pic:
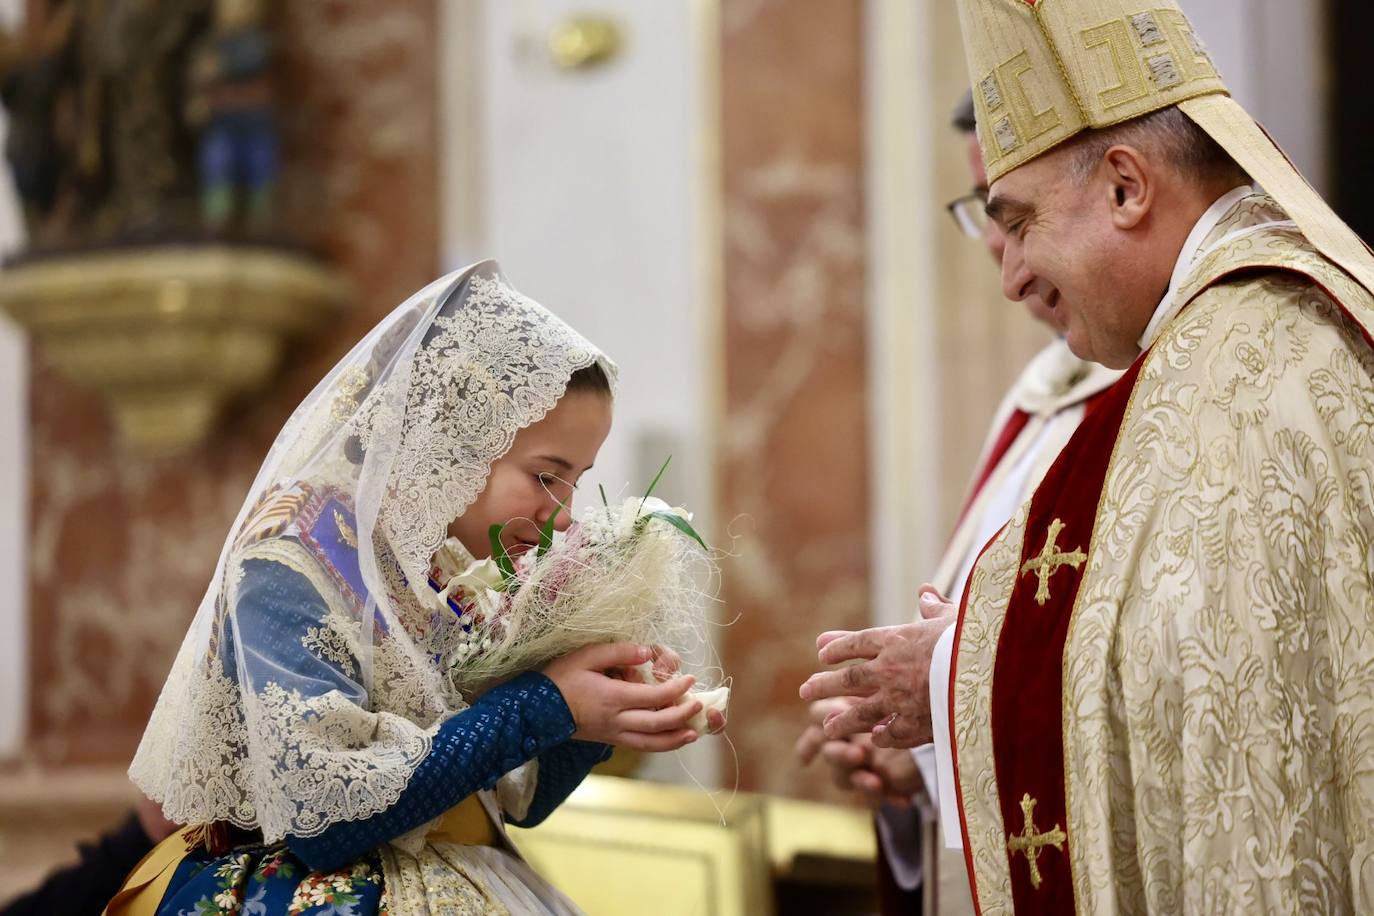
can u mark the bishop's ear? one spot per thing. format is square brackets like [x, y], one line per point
[1131, 181]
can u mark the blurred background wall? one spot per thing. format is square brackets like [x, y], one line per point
[742, 202]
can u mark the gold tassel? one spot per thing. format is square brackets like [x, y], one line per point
[213, 838]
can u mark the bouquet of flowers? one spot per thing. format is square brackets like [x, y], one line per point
[636, 572]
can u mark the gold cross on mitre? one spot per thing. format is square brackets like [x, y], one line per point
[1050, 560]
[1030, 841]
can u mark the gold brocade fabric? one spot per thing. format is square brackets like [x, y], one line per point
[436, 881]
[1219, 669]
[1043, 70]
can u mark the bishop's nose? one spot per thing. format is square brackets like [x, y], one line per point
[1016, 277]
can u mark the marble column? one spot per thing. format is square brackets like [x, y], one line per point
[792, 465]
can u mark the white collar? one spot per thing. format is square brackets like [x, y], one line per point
[1055, 379]
[1187, 255]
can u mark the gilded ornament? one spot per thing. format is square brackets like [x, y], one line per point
[1030, 841]
[1050, 560]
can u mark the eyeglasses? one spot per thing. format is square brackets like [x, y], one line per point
[970, 212]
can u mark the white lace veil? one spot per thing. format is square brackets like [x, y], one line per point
[319, 711]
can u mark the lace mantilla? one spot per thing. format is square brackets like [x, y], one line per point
[484, 373]
[311, 683]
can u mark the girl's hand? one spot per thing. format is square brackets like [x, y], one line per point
[642, 717]
[666, 664]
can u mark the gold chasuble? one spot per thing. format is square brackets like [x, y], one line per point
[1162, 689]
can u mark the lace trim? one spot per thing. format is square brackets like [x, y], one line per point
[494, 367]
[428, 882]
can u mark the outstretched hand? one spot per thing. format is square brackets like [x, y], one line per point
[610, 710]
[876, 776]
[890, 680]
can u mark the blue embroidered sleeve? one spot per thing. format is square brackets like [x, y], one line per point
[515, 722]
[512, 723]
[561, 770]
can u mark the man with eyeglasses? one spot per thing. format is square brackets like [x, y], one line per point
[1035, 420]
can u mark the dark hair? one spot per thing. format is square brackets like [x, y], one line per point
[590, 378]
[963, 119]
[1167, 132]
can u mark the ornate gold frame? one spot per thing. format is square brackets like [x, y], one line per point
[168, 335]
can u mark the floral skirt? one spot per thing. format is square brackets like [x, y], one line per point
[270, 880]
[442, 878]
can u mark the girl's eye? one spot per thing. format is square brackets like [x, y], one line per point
[549, 481]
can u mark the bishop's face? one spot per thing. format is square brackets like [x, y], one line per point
[993, 237]
[1062, 247]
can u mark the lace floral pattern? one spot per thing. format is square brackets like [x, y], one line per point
[310, 685]
[485, 372]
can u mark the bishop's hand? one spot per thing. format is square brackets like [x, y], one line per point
[891, 676]
[877, 776]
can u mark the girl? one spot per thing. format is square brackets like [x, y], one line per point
[309, 732]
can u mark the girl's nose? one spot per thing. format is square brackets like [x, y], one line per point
[550, 506]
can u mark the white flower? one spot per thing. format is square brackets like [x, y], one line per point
[612, 524]
[654, 504]
[481, 574]
[637, 507]
[477, 581]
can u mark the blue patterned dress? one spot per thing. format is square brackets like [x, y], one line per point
[342, 871]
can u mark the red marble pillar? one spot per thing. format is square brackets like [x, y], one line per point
[793, 461]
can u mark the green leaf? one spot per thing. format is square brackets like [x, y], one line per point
[498, 552]
[681, 524]
[657, 477]
[546, 533]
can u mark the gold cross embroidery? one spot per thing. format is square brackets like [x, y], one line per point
[1030, 841]
[1050, 560]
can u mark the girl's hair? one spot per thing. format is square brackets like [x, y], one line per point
[590, 378]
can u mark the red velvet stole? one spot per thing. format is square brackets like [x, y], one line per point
[1027, 687]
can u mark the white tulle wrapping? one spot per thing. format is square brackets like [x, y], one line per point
[621, 574]
[404, 430]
